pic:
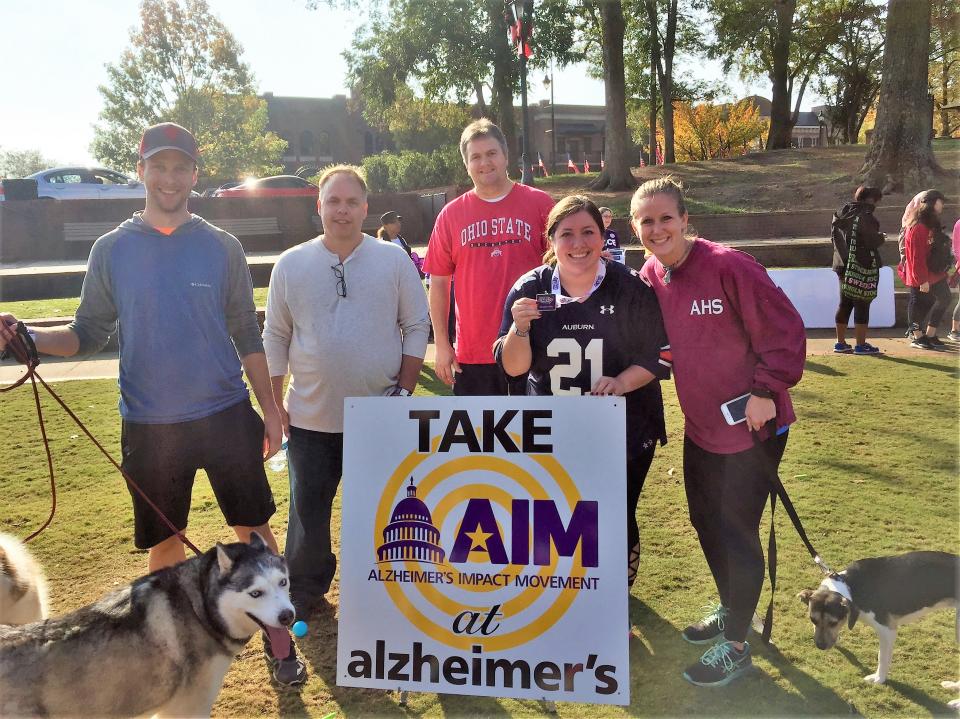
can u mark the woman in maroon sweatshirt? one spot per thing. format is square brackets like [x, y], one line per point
[732, 332]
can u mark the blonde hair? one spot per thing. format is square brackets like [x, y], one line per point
[661, 186]
[352, 170]
[569, 205]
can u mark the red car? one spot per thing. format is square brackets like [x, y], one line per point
[276, 186]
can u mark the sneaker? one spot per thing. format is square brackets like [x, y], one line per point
[289, 671]
[953, 335]
[842, 348]
[936, 342]
[922, 343]
[708, 628]
[719, 665]
[866, 349]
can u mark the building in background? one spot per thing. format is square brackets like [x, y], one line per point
[809, 131]
[321, 131]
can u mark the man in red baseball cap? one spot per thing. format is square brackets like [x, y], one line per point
[179, 292]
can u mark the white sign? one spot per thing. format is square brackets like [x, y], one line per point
[483, 547]
[815, 292]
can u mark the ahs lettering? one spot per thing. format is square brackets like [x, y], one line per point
[707, 307]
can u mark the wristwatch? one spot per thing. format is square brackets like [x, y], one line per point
[399, 391]
[519, 332]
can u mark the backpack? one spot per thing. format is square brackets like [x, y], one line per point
[940, 258]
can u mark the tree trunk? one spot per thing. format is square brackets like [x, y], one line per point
[780, 126]
[665, 72]
[654, 64]
[616, 175]
[502, 91]
[900, 158]
[481, 100]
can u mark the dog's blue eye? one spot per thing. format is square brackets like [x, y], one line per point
[256, 593]
[283, 582]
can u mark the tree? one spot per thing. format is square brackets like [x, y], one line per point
[450, 50]
[782, 39]
[662, 63]
[711, 132]
[419, 124]
[851, 64]
[184, 66]
[900, 157]
[616, 175]
[20, 163]
[945, 63]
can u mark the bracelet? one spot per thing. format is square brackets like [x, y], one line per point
[761, 392]
[520, 333]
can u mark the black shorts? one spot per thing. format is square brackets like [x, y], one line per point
[164, 458]
[487, 380]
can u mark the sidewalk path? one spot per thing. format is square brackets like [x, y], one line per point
[104, 366]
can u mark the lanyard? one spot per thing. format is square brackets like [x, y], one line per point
[564, 300]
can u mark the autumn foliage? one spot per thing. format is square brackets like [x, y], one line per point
[712, 132]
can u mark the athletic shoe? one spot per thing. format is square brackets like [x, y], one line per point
[866, 349]
[289, 671]
[922, 343]
[953, 335]
[719, 665]
[936, 342]
[842, 348]
[708, 628]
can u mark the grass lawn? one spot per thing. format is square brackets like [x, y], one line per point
[871, 467]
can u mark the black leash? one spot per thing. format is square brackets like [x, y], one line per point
[20, 346]
[780, 491]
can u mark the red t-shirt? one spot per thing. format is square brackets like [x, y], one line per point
[487, 247]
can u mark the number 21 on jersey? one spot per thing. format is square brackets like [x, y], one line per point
[592, 353]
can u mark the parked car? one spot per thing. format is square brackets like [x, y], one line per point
[85, 183]
[276, 186]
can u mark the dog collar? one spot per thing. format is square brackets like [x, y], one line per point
[835, 583]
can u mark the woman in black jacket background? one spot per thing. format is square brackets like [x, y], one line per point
[856, 218]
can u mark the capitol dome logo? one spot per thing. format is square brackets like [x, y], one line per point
[410, 534]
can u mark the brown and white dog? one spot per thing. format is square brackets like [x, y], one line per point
[887, 593]
[23, 589]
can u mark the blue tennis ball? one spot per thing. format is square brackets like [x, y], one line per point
[299, 629]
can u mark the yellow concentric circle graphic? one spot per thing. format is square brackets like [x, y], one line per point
[430, 489]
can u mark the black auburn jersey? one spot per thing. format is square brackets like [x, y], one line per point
[619, 325]
[611, 240]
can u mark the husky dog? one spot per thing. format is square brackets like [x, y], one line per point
[161, 645]
[887, 593]
[23, 589]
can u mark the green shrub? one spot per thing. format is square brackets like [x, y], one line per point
[409, 170]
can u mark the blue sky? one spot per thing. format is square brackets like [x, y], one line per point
[54, 52]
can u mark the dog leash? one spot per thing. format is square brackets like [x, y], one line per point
[780, 491]
[21, 346]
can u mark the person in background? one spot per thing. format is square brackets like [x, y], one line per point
[925, 259]
[954, 333]
[733, 334]
[390, 224]
[611, 240]
[855, 224]
[609, 340]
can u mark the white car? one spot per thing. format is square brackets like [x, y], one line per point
[85, 183]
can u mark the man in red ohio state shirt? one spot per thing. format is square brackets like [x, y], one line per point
[485, 240]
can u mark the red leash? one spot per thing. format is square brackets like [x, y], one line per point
[21, 346]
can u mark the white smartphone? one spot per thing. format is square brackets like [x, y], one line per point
[735, 411]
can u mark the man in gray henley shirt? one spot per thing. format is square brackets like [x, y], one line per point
[346, 317]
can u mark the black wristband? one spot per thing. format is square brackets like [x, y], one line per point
[761, 392]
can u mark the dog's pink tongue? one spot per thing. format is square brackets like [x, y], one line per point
[279, 642]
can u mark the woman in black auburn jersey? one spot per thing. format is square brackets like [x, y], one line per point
[604, 336]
